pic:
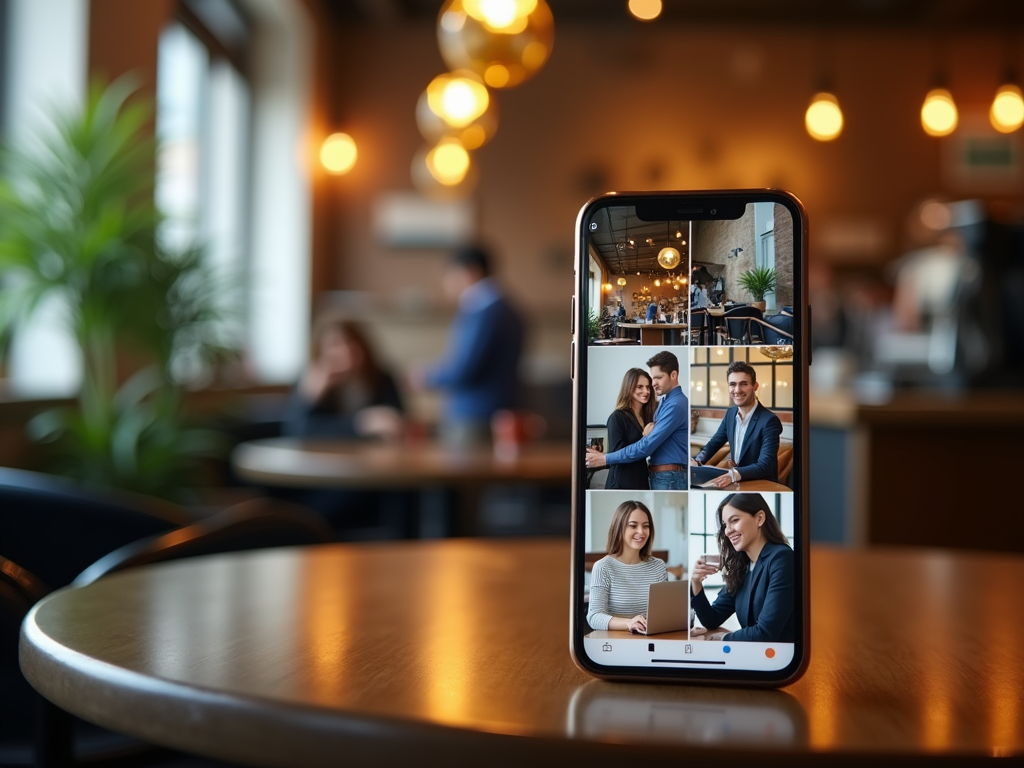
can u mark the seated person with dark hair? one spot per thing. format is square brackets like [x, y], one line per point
[751, 430]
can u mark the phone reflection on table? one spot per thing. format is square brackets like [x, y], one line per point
[740, 719]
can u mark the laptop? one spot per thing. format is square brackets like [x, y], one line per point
[667, 607]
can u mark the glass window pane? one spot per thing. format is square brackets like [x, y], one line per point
[700, 355]
[764, 378]
[183, 73]
[718, 387]
[698, 386]
[784, 385]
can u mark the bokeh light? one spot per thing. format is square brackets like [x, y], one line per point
[824, 118]
[338, 153]
[1007, 111]
[938, 113]
[645, 10]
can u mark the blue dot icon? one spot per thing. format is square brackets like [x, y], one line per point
[726, 649]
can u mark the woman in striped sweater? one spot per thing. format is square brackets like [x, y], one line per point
[618, 585]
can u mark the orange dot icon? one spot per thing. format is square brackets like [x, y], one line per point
[770, 653]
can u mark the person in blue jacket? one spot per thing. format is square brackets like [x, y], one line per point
[480, 367]
[758, 566]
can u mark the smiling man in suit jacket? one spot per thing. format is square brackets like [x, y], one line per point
[751, 430]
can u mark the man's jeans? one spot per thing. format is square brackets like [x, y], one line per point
[673, 480]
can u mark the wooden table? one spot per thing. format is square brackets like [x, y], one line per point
[654, 334]
[765, 486]
[458, 650]
[313, 463]
[422, 465]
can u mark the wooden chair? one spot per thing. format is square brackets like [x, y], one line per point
[785, 462]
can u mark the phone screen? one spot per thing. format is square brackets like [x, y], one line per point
[689, 535]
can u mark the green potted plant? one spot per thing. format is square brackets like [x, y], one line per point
[593, 326]
[78, 223]
[758, 282]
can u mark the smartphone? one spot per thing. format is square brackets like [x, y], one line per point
[730, 265]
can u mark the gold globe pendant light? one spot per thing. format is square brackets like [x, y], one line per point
[506, 42]
[457, 104]
[938, 113]
[669, 257]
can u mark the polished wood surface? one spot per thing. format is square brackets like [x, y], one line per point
[288, 461]
[766, 486]
[458, 649]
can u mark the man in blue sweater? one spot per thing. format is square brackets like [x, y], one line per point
[480, 367]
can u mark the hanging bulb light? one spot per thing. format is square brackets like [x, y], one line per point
[645, 10]
[506, 42]
[938, 113]
[444, 171]
[438, 117]
[338, 153]
[669, 257]
[621, 282]
[1007, 111]
[824, 118]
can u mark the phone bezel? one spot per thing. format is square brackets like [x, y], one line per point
[696, 205]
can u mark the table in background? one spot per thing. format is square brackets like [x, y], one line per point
[658, 334]
[423, 465]
[458, 650]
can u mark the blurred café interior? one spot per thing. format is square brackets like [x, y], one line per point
[297, 148]
[298, 151]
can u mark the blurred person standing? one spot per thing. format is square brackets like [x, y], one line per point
[480, 367]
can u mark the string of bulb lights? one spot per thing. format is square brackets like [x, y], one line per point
[824, 117]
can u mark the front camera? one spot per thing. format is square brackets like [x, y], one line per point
[593, 226]
[713, 211]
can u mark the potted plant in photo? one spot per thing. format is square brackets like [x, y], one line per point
[758, 282]
[79, 229]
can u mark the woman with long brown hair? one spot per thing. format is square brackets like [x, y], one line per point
[634, 410]
[757, 564]
[619, 581]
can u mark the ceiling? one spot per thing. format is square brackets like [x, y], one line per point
[955, 15]
[628, 245]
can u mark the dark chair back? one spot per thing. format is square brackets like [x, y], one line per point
[19, 591]
[738, 326]
[699, 323]
[252, 524]
[55, 528]
[780, 328]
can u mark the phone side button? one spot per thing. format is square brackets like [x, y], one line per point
[808, 345]
[572, 360]
[572, 318]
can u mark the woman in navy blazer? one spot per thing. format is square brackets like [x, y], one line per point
[757, 563]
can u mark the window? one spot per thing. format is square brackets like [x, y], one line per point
[202, 125]
[709, 387]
